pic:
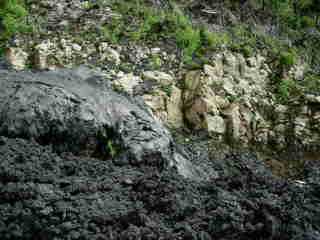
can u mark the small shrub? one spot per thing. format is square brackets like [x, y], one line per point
[155, 62]
[151, 26]
[307, 22]
[287, 59]
[12, 15]
[311, 83]
[111, 149]
[215, 40]
[286, 89]
[167, 89]
[189, 40]
[113, 31]
[244, 40]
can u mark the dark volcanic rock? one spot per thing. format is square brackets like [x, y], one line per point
[48, 196]
[76, 110]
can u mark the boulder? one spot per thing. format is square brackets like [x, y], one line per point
[17, 58]
[41, 54]
[233, 121]
[127, 82]
[161, 78]
[110, 55]
[216, 125]
[174, 108]
[167, 109]
[76, 110]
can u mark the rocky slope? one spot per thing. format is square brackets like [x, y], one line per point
[231, 97]
[138, 144]
[59, 181]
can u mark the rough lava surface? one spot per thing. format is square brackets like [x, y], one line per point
[57, 182]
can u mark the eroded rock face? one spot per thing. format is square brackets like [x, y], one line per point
[236, 89]
[71, 108]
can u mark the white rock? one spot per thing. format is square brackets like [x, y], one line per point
[160, 77]
[312, 98]
[111, 55]
[215, 125]
[76, 47]
[127, 82]
[155, 50]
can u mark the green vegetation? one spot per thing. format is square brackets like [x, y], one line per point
[12, 15]
[286, 89]
[112, 32]
[111, 149]
[167, 89]
[108, 145]
[141, 22]
[287, 59]
[138, 20]
[155, 62]
[311, 83]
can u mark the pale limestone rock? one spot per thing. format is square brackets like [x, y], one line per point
[111, 55]
[166, 108]
[300, 125]
[221, 102]
[281, 109]
[76, 47]
[42, 52]
[252, 62]
[298, 71]
[312, 98]
[174, 108]
[197, 112]
[68, 51]
[242, 64]
[127, 82]
[215, 125]
[192, 80]
[17, 58]
[214, 71]
[234, 121]
[103, 46]
[228, 86]
[263, 132]
[156, 101]
[159, 77]
[155, 50]
[231, 66]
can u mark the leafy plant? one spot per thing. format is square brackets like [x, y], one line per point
[167, 89]
[13, 18]
[311, 83]
[113, 31]
[215, 40]
[155, 61]
[286, 88]
[287, 59]
[111, 149]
